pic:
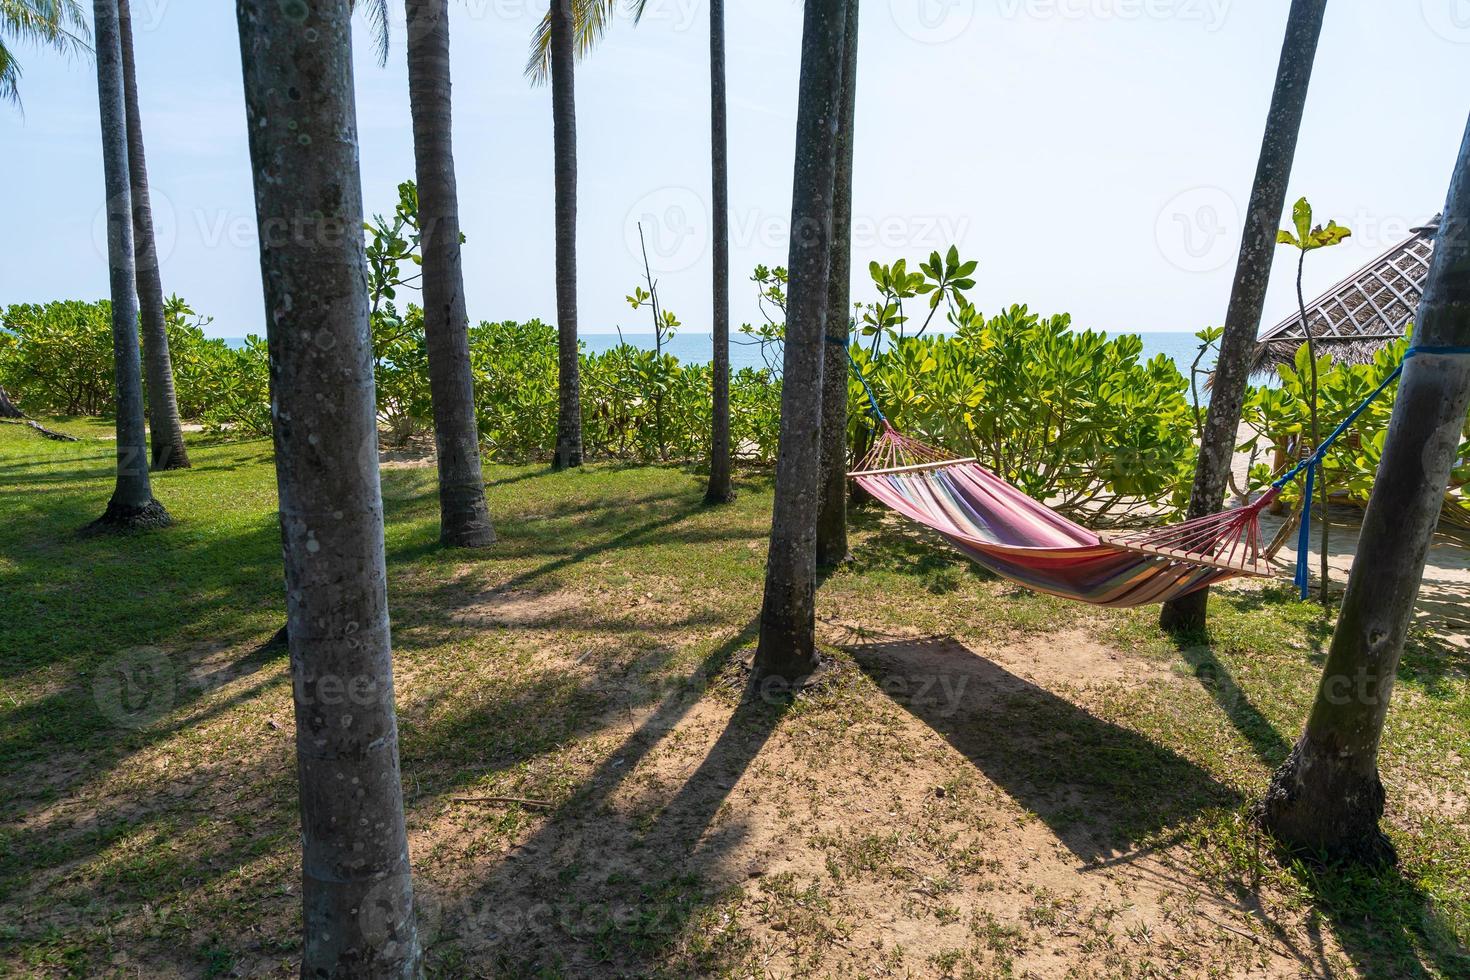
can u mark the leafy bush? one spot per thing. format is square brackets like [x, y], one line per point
[401, 371]
[220, 387]
[239, 389]
[58, 357]
[515, 388]
[1070, 417]
[637, 405]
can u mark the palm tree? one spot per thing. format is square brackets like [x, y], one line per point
[568, 452]
[787, 647]
[719, 490]
[1327, 796]
[166, 429]
[132, 504]
[832, 518]
[1248, 292]
[58, 24]
[590, 20]
[556, 36]
[464, 518]
[356, 888]
[570, 29]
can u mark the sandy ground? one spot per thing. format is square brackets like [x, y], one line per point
[1444, 596]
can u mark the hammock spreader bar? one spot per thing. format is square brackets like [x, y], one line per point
[1021, 539]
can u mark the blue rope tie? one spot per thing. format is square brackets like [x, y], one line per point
[1313, 462]
[872, 399]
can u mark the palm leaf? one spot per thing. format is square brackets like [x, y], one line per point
[375, 12]
[591, 18]
[57, 24]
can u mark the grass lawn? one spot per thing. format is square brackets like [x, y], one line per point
[987, 782]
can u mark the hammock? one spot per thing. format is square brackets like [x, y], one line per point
[1018, 538]
[1023, 540]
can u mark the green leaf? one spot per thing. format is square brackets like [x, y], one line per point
[1301, 217]
[1333, 234]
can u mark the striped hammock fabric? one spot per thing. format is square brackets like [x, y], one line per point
[1022, 540]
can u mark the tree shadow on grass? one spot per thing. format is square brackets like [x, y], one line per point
[1217, 681]
[1100, 788]
[600, 888]
[1385, 921]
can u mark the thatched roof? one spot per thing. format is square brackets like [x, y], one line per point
[1358, 316]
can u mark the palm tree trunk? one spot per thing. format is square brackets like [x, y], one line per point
[1248, 292]
[8, 408]
[132, 504]
[719, 490]
[564, 137]
[464, 519]
[356, 889]
[166, 429]
[787, 646]
[832, 518]
[1327, 795]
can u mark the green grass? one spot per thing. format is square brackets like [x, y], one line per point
[938, 811]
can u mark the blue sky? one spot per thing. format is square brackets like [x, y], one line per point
[1092, 155]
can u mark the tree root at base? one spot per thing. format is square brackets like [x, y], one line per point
[120, 520]
[1317, 810]
[48, 433]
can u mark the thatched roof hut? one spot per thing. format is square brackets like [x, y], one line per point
[1358, 316]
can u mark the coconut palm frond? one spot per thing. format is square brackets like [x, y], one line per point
[538, 65]
[9, 75]
[592, 20]
[375, 12]
[57, 24]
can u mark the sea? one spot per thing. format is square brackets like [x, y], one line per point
[694, 347]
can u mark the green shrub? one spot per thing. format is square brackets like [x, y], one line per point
[238, 382]
[59, 357]
[636, 405]
[515, 388]
[401, 373]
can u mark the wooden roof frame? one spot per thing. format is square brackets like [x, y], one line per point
[1374, 303]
